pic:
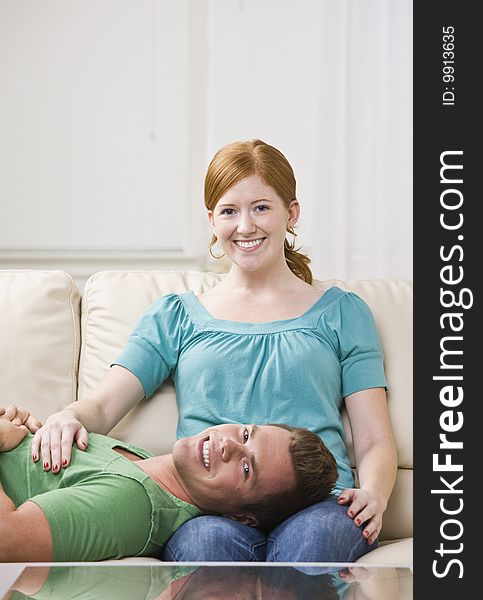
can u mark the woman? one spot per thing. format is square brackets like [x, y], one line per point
[263, 345]
[118, 500]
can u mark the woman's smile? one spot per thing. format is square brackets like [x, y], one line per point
[249, 245]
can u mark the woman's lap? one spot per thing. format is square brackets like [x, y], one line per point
[321, 533]
[212, 538]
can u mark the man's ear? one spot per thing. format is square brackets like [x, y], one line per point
[244, 519]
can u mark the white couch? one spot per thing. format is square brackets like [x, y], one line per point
[55, 346]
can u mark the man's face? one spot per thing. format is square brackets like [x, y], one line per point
[230, 465]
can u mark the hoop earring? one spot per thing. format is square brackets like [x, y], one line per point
[293, 233]
[213, 241]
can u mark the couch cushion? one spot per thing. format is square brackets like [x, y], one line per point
[397, 553]
[39, 340]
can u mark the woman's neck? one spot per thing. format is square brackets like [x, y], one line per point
[270, 279]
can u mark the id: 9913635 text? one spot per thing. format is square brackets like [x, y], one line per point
[448, 66]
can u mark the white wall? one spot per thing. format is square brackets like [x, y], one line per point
[110, 111]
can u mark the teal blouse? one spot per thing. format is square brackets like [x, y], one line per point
[295, 371]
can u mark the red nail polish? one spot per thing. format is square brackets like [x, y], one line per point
[64, 463]
[35, 457]
[46, 465]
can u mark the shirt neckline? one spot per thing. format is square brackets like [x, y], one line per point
[202, 314]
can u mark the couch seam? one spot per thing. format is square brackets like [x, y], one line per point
[83, 332]
[77, 339]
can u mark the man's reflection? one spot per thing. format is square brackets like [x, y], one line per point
[256, 583]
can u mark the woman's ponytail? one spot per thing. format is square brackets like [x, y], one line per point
[297, 262]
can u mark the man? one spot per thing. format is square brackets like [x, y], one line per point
[104, 506]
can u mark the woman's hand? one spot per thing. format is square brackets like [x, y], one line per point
[53, 442]
[364, 507]
[11, 434]
[19, 416]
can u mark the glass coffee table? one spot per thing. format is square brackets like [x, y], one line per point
[203, 581]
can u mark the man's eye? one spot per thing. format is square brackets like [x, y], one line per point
[246, 470]
[246, 435]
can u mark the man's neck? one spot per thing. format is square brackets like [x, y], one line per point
[161, 469]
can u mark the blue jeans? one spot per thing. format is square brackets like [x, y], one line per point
[321, 533]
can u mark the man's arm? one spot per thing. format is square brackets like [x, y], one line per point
[20, 416]
[24, 532]
[11, 434]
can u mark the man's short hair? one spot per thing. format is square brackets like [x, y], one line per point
[315, 472]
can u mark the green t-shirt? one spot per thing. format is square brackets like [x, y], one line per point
[106, 582]
[102, 506]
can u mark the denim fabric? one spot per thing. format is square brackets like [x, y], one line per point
[210, 538]
[321, 533]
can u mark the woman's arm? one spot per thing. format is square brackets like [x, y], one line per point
[117, 393]
[376, 459]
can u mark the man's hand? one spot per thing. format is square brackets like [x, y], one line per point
[19, 416]
[11, 434]
[364, 508]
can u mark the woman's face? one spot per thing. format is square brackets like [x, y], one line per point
[250, 222]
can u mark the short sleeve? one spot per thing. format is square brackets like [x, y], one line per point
[358, 344]
[152, 350]
[105, 517]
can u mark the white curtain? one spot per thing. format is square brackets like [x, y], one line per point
[329, 82]
[362, 225]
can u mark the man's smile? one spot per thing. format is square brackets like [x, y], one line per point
[206, 453]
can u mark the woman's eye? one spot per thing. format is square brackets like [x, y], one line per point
[227, 211]
[246, 470]
[262, 208]
[246, 435]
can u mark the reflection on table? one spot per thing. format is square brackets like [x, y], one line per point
[191, 582]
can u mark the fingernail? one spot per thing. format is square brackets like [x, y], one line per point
[55, 468]
[357, 521]
[46, 465]
[35, 457]
[64, 463]
[351, 513]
